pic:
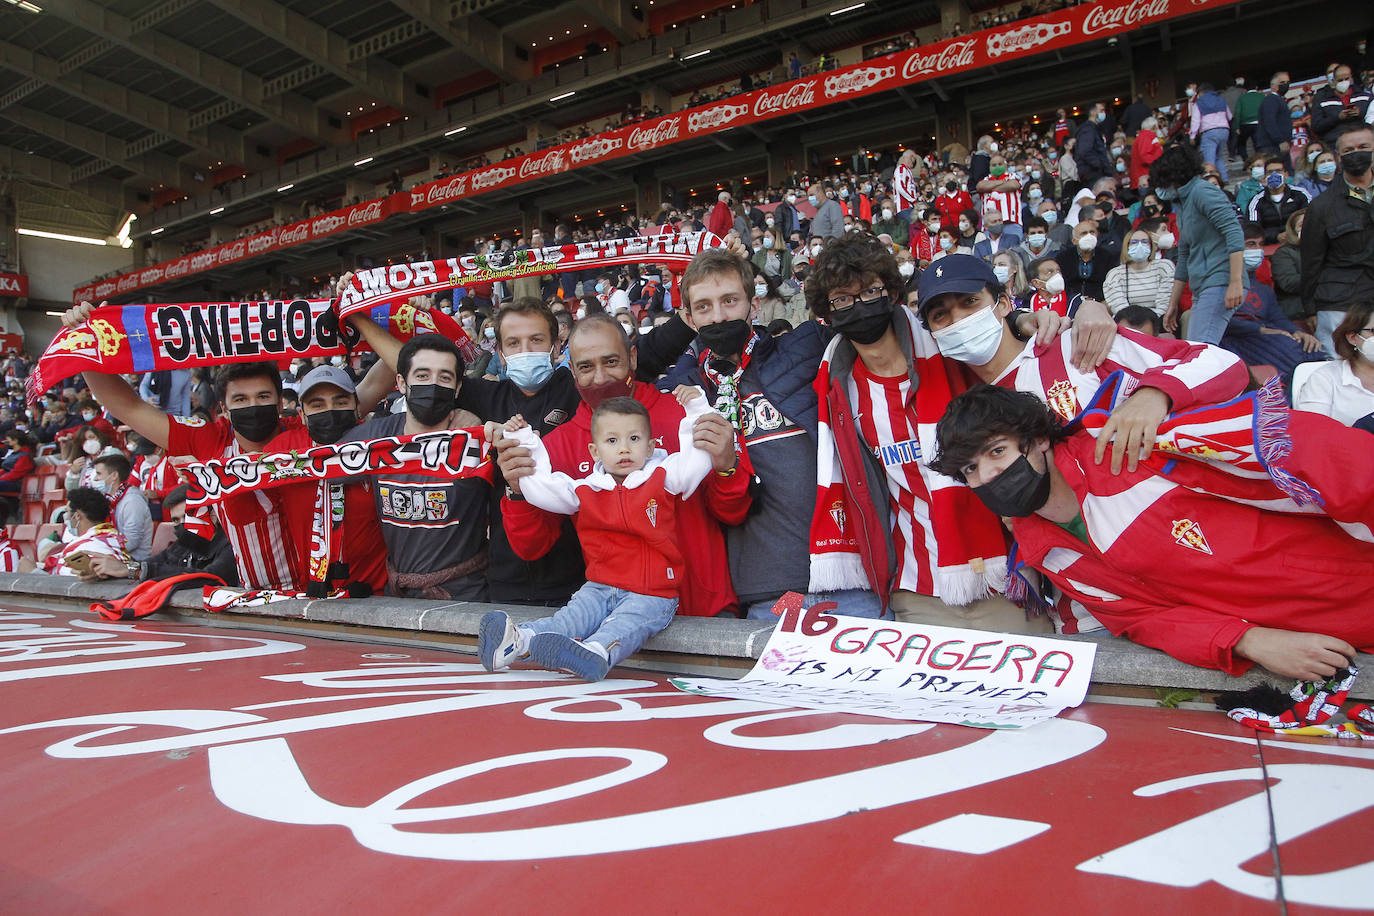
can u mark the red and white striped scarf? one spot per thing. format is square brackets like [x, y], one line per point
[970, 549]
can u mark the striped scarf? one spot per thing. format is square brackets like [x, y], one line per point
[969, 557]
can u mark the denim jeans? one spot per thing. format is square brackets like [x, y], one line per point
[1209, 317]
[618, 620]
[1212, 144]
[853, 602]
[1327, 322]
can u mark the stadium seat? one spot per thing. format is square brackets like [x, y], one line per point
[52, 501]
[1261, 373]
[164, 535]
[47, 529]
[1301, 374]
[25, 539]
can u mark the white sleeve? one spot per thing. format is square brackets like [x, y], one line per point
[550, 491]
[1318, 394]
[687, 467]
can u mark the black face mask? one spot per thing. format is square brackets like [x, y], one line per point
[192, 542]
[328, 426]
[1018, 491]
[256, 423]
[863, 322]
[1282, 88]
[951, 187]
[430, 404]
[726, 338]
[1356, 162]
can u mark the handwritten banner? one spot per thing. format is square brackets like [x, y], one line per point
[448, 454]
[819, 660]
[118, 339]
[377, 285]
[1038, 35]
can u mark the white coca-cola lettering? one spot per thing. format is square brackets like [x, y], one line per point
[265, 242]
[649, 137]
[1108, 19]
[547, 164]
[203, 260]
[1026, 37]
[593, 149]
[125, 283]
[9, 285]
[492, 177]
[954, 56]
[365, 213]
[798, 95]
[293, 235]
[715, 117]
[857, 80]
[444, 191]
[179, 267]
[231, 252]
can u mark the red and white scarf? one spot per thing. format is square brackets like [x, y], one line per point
[970, 549]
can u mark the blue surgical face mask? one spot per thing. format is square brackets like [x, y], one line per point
[600, 286]
[1273, 181]
[1166, 194]
[1049, 216]
[1253, 258]
[529, 370]
[1326, 169]
[815, 202]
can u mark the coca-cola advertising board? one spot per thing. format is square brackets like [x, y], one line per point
[14, 285]
[999, 45]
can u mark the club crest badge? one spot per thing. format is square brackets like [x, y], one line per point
[651, 510]
[1188, 533]
[837, 513]
[1063, 399]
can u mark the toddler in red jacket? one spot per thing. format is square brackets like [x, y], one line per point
[624, 514]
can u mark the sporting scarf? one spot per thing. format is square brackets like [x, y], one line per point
[969, 560]
[449, 454]
[1307, 709]
[326, 545]
[119, 339]
[118, 494]
[377, 285]
[727, 386]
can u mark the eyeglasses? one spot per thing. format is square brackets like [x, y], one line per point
[1365, 332]
[841, 302]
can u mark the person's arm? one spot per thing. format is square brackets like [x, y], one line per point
[135, 525]
[661, 347]
[387, 348]
[1312, 245]
[530, 530]
[115, 395]
[1164, 287]
[1189, 373]
[545, 488]
[375, 386]
[686, 468]
[23, 464]
[1326, 114]
[1317, 394]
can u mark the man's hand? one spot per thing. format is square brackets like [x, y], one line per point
[1093, 334]
[514, 461]
[1235, 295]
[1171, 318]
[1133, 426]
[713, 434]
[1305, 656]
[1309, 343]
[79, 314]
[1044, 325]
[107, 567]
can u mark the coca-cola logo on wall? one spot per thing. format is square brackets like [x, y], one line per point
[1026, 37]
[547, 164]
[1102, 18]
[952, 56]
[593, 149]
[648, 137]
[795, 97]
[857, 80]
[294, 235]
[712, 118]
[365, 213]
[490, 178]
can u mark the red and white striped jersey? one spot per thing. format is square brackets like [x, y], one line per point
[1008, 203]
[252, 522]
[156, 476]
[904, 187]
[885, 412]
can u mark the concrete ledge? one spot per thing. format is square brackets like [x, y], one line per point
[1119, 662]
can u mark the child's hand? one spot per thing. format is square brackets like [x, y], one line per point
[515, 422]
[685, 393]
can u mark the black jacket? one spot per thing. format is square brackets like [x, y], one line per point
[217, 559]
[1327, 105]
[1337, 250]
[1090, 287]
[1090, 154]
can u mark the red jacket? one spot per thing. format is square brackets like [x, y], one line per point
[707, 589]
[627, 536]
[951, 207]
[720, 220]
[1189, 573]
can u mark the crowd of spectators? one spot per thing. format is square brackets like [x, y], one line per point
[1114, 220]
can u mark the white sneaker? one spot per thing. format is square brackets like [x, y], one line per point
[498, 641]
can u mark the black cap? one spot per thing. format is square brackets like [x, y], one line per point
[954, 273]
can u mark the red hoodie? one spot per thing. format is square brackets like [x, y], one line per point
[706, 588]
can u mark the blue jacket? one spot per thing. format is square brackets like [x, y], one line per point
[1208, 232]
[1275, 123]
[786, 368]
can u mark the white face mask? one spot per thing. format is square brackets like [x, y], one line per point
[1253, 258]
[1166, 240]
[1257, 173]
[1002, 272]
[760, 289]
[1367, 349]
[1342, 86]
[1055, 285]
[973, 339]
[1138, 251]
[1087, 242]
[906, 269]
[91, 447]
[768, 222]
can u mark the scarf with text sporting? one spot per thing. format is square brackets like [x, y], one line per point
[376, 285]
[448, 454]
[966, 559]
[120, 339]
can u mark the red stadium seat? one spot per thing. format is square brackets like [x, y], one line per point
[164, 535]
[48, 529]
[52, 501]
[25, 538]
